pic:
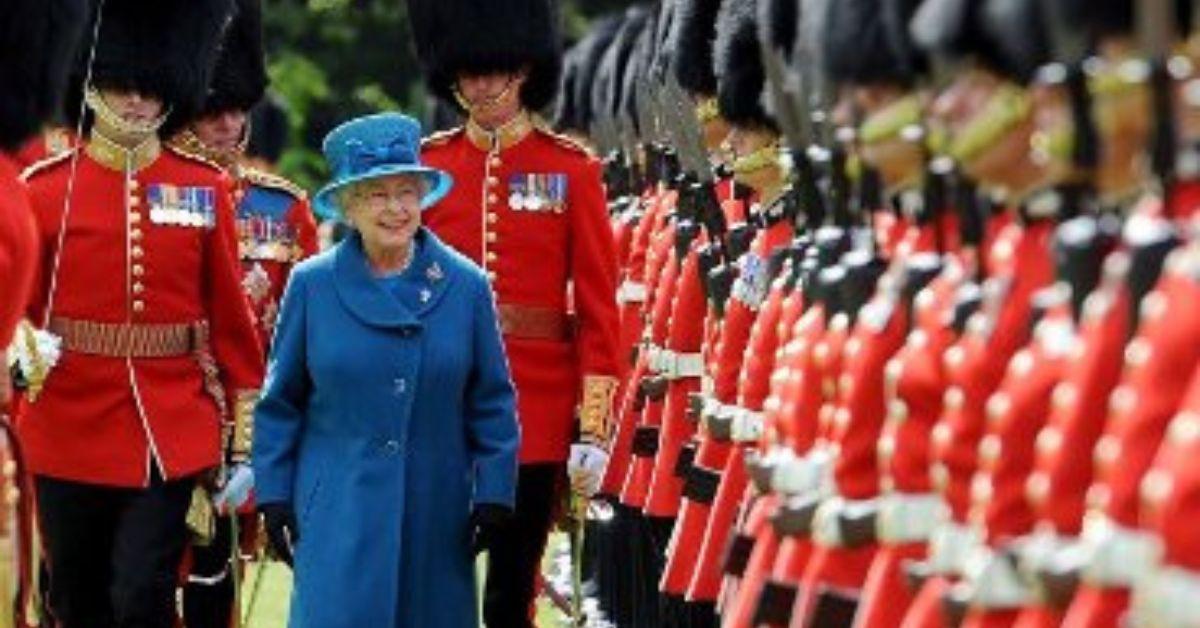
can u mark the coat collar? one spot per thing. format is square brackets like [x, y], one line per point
[370, 301]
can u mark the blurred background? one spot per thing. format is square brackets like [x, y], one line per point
[331, 60]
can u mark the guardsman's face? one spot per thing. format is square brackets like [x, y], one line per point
[890, 134]
[988, 123]
[133, 107]
[386, 211]
[493, 98]
[222, 131]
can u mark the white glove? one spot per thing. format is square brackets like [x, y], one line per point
[585, 467]
[236, 491]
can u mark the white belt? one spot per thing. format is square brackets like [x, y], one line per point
[908, 517]
[1168, 598]
[747, 426]
[631, 292]
[676, 365]
[1116, 556]
[796, 475]
[994, 580]
[827, 524]
[948, 546]
[654, 358]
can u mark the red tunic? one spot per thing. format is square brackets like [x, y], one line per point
[105, 420]
[560, 259]
[18, 249]
[1159, 363]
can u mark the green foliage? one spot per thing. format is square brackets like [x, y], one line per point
[332, 60]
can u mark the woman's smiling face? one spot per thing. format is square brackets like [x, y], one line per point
[385, 211]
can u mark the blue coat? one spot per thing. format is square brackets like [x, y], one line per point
[383, 424]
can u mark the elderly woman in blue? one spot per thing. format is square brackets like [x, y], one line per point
[385, 445]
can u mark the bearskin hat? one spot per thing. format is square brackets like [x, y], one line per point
[695, 29]
[457, 37]
[240, 76]
[861, 48]
[579, 70]
[737, 63]
[165, 48]
[607, 93]
[38, 39]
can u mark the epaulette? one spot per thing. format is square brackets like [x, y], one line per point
[193, 157]
[566, 141]
[274, 181]
[437, 138]
[46, 164]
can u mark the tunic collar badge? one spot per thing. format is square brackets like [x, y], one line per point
[434, 272]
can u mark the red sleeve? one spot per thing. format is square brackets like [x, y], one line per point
[593, 274]
[18, 252]
[233, 338]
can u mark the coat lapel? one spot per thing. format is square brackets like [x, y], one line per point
[363, 295]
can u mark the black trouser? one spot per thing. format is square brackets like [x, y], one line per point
[208, 595]
[113, 553]
[514, 563]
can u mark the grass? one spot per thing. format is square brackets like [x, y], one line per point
[274, 592]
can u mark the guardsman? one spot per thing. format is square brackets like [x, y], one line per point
[1065, 461]
[740, 376]
[889, 140]
[158, 358]
[29, 100]
[1167, 595]
[692, 68]
[529, 207]
[275, 230]
[991, 148]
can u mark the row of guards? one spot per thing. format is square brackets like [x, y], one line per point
[909, 294]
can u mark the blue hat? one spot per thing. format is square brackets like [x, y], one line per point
[376, 146]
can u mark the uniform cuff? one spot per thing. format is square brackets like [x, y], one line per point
[242, 427]
[596, 407]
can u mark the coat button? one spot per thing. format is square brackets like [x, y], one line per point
[392, 447]
[399, 386]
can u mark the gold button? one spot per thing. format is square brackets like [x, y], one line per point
[492, 217]
[1184, 429]
[491, 275]
[133, 201]
[138, 288]
[135, 217]
[1106, 452]
[1048, 441]
[137, 252]
[495, 161]
[1037, 488]
[135, 234]
[133, 184]
[491, 256]
[492, 199]
[492, 181]
[940, 476]
[138, 270]
[997, 407]
[954, 399]
[138, 306]
[955, 356]
[989, 450]
[491, 236]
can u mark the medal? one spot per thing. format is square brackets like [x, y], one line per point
[535, 200]
[516, 198]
